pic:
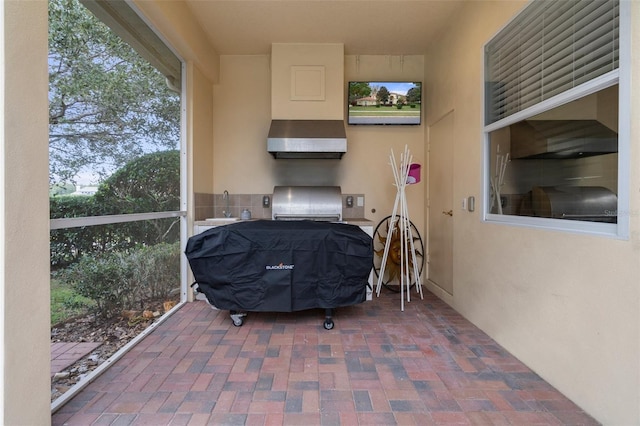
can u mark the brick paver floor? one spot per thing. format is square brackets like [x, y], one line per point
[64, 354]
[377, 366]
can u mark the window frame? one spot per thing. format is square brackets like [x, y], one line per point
[620, 76]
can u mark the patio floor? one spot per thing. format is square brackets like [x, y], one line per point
[64, 354]
[377, 366]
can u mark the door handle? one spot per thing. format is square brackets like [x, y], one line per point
[449, 213]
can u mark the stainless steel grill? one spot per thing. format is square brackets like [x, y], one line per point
[318, 203]
[591, 203]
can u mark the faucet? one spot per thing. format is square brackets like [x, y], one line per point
[225, 196]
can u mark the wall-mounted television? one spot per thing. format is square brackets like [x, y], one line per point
[384, 103]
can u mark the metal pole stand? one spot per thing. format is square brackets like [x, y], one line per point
[407, 248]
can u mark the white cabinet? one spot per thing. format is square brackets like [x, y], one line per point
[202, 225]
[369, 230]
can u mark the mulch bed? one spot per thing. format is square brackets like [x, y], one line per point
[112, 333]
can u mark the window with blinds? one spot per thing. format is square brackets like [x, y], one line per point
[550, 47]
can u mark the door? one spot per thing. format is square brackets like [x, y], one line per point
[440, 203]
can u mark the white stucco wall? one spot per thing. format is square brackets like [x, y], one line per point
[200, 129]
[307, 81]
[199, 144]
[241, 120]
[24, 224]
[174, 23]
[567, 305]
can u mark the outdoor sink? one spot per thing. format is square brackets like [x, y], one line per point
[222, 220]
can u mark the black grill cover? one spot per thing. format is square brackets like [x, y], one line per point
[281, 266]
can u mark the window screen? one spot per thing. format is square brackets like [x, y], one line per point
[552, 46]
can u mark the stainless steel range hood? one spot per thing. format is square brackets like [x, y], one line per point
[561, 139]
[325, 139]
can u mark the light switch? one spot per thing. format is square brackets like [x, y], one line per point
[360, 201]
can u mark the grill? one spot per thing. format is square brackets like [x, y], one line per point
[317, 203]
[302, 259]
[588, 203]
[281, 266]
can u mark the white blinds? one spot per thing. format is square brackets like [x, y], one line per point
[550, 47]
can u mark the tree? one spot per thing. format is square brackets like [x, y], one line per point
[107, 105]
[357, 91]
[383, 95]
[414, 96]
[61, 189]
[150, 183]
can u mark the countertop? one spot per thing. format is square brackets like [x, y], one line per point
[359, 221]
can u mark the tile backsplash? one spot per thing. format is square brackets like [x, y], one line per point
[203, 205]
[214, 205]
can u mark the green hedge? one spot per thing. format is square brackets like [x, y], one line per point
[120, 266]
[124, 280]
[150, 183]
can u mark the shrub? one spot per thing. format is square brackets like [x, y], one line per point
[156, 270]
[147, 184]
[101, 279]
[68, 245]
[126, 279]
[150, 183]
[399, 105]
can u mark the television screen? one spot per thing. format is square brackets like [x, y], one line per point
[384, 102]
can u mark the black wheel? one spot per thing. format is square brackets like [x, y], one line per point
[328, 324]
[237, 318]
[393, 268]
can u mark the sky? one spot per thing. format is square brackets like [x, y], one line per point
[394, 87]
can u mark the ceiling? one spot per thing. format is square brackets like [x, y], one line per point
[365, 27]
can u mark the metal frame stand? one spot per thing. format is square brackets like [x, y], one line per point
[407, 248]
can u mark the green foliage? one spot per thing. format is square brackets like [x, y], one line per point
[68, 245]
[116, 281]
[414, 95]
[383, 95]
[66, 303]
[106, 103]
[155, 270]
[357, 91]
[150, 183]
[399, 105]
[101, 280]
[107, 106]
[61, 189]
